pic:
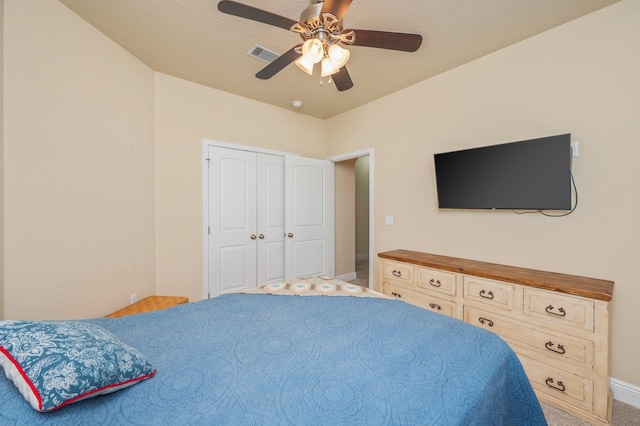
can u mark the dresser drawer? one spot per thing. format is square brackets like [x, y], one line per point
[558, 309]
[422, 300]
[488, 292]
[554, 349]
[439, 281]
[558, 384]
[397, 271]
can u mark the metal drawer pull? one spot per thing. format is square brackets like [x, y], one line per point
[488, 321]
[435, 283]
[559, 386]
[486, 295]
[550, 310]
[434, 306]
[393, 293]
[396, 273]
[560, 350]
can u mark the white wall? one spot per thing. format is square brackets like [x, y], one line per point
[582, 78]
[78, 167]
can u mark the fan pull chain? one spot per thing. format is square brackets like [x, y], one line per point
[329, 80]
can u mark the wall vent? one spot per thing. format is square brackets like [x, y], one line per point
[262, 53]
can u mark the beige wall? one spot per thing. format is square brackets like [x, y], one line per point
[1, 160]
[87, 197]
[362, 206]
[345, 217]
[185, 114]
[581, 78]
[78, 150]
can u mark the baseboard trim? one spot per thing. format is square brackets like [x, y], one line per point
[347, 277]
[625, 392]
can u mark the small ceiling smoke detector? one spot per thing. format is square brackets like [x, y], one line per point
[296, 104]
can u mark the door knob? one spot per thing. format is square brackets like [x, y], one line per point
[261, 236]
[253, 236]
[290, 235]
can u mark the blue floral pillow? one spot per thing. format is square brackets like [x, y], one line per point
[55, 363]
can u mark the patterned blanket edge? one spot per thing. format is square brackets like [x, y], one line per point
[316, 286]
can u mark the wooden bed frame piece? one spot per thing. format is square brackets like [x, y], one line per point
[149, 304]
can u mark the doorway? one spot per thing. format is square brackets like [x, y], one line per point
[354, 217]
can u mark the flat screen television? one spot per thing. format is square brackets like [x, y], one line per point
[533, 174]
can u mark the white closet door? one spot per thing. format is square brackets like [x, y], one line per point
[232, 220]
[270, 218]
[308, 217]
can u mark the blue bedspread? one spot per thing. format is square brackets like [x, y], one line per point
[252, 359]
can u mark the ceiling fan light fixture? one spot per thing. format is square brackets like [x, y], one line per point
[335, 59]
[313, 50]
[327, 67]
[305, 65]
[338, 55]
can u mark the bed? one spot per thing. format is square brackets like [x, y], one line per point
[283, 355]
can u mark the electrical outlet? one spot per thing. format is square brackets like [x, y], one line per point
[134, 297]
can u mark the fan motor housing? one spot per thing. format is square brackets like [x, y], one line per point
[314, 24]
[311, 13]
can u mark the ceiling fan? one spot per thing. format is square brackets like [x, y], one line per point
[320, 28]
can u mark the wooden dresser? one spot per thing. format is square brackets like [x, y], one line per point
[557, 324]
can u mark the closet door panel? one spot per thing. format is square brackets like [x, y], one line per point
[233, 276]
[270, 218]
[232, 219]
[308, 217]
[308, 258]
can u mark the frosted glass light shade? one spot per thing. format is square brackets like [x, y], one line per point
[327, 68]
[332, 58]
[313, 50]
[305, 65]
[339, 56]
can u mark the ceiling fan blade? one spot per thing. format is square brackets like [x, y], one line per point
[255, 14]
[387, 40]
[278, 64]
[342, 79]
[336, 7]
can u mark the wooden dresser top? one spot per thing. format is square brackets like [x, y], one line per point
[569, 284]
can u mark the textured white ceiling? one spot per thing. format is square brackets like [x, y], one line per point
[192, 40]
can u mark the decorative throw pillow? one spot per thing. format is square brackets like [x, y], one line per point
[55, 363]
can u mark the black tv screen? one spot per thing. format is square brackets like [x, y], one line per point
[527, 175]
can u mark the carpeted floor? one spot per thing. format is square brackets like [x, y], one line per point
[623, 415]
[362, 273]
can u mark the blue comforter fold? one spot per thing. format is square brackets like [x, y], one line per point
[253, 359]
